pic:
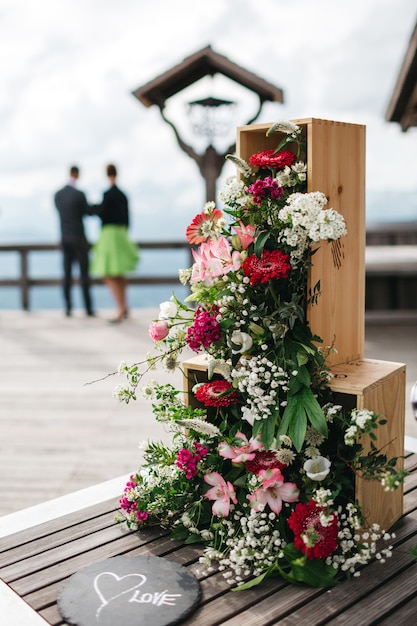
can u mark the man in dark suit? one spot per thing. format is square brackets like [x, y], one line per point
[72, 207]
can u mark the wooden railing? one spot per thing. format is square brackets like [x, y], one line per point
[24, 281]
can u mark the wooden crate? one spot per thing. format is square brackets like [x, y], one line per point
[336, 166]
[380, 387]
[363, 384]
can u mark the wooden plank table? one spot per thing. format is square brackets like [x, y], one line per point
[36, 562]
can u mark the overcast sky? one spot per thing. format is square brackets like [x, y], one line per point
[68, 68]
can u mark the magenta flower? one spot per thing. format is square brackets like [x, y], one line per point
[214, 258]
[204, 331]
[221, 492]
[240, 454]
[265, 187]
[158, 330]
[273, 491]
[187, 462]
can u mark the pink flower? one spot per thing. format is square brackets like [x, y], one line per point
[245, 234]
[240, 454]
[222, 492]
[214, 258]
[273, 491]
[196, 232]
[158, 330]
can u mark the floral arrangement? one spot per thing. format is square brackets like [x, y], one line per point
[262, 465]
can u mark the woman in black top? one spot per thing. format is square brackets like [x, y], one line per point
[114, 254]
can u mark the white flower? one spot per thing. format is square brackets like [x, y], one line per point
[318, 468]
[122, 368]
[242, 342]
[167, 310]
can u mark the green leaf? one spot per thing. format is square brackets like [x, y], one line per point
[297, 430]
[314, 411]
[268, 430]
[260, 242]
[251, 583]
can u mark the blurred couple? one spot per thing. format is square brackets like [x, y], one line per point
[113, 255]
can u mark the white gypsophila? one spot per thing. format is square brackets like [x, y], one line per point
[329, 226]
[253, 550]
[167, 310]
[234, 192]
[200, 426]
[253, 378]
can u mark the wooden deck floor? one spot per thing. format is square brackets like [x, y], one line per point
[59, 435]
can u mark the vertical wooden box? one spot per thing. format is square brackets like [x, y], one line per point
[380, 387]
[363, 384]
[336, 166]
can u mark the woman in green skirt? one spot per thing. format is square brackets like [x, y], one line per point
[114, 254]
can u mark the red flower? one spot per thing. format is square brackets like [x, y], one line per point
[217, 393]
[272, 265]
[266, 159]
[264, 459]
[311, 536]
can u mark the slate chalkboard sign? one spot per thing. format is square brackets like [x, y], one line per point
[129, 590]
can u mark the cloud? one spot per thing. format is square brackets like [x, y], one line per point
[71, 67]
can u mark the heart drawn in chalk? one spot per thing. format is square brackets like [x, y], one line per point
[110, 586]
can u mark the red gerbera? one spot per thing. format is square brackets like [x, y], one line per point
[200, 227]
[217, 393]
[311, 536]
[267, 159]
[264, 459]
[272, 265]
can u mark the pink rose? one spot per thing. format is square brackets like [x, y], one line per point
[158, 330]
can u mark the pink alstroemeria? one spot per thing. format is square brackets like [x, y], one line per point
[245, 234]
[214, 258]
[273, 491]
[221, 492]
[240, 454]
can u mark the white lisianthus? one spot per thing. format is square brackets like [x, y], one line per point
[241, 341]
[167, 310]
[317, 468]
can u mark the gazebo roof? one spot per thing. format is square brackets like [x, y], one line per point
[206, 62]
[403, 104]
